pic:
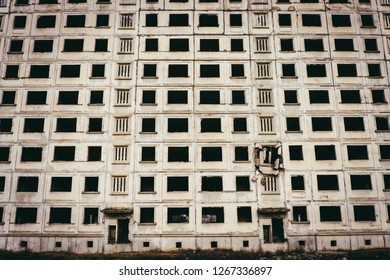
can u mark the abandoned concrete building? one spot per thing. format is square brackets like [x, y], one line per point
[135, 125]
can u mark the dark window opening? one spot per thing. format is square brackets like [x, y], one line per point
[147, 184]
[350, 96]
[91, 216]
[209, 71]
[315, 70]
[150, 70]
[39, 71]
[98, 70]
[290, 97]
[36, 97]
[73, 45]
[4, 154]
[378, 96]
[60, 215]
[341, 20]
[75, 21]
[102, 20]
[288, 70]
[46, 21]
[178, 215]
[364, 213]
[238, 97]
[178, 154]
[209, 97]
[242, 183]
[346, 70]
[344, 45]
[146, 215]
[96, 97]
[101, 45]
[325, 152]
[296, 152]
[20, 22]
[5, 125]
[210, 125]
[89, 244]
[214, 244]
[236, 45]
[384, 151]
[327, 182]
[330, 214]
[277, 231]
[26, 215]
[148, 125]
[367, 20]
[64, 153]
[354, 124]
[70, 71]
[33, 154]
[209, 45]
[11, 72]
[16, 46]
[178, 20]
[239, 125]
[178, 70]
[238, 70]
[212, 154]
[91, 184]
[235, 20]
[208, 20]
[2, 187]
[177, 125]
[151, 20]
[8, 97]
[148, 154]
[27, 184]
[286, 45]
[33, 125]
[374, 70]
[70, 97]
[357, 152]
[321, 124]
[293, 124]
[94, 153]
[212, 184]
[244, 214]
[212, 215]
[177, 184]
[149, 97]
[43, 46]
[61, 184]
[151, 45]
[284, 20]
[382, 123]
[361, 182]
[299, 214]
[371, 45]
[314, 45]
[297, 183]
[311, 20]
[241, 154]
[177, 97]
[123, 231]
[66, 125]
[179, 45]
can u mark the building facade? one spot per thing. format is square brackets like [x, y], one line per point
[137, 125]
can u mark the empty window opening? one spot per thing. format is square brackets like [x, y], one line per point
[148, 125]
[314, 45]
[209, 97]
[102, 20]
[238, 97]
[333, 243]
[64, 153]
[325, 152]
[378, 96]
[95, 125]
[311, 20]
[73, 45]
[39, 71]
[101, 45]
[241, 154]
[242, 183]
[177, 125]
[148, 154]
[147, 184]
[315, 70]
[210, 125]
[297, 183]
[236, 45]
[66, 125]
[238, 70]
[292, 124]
[209, 71]
[208, 20]
[245, 243]
[361, 182]
[58, 244]
[150, 70]
[147, 215]
[177, 97]
[327, 183]
[178, 45]
[178, 20]
[5, 125]
[212, 184]
[70, 71]
[178, 70]
[177, 184]
[146, 244]
[4, 154]
[382, 123]
[178, 245]
[8, 97]
[288, 70]
[94, 153]
[23, 244]
[91, 216]
[357, 152]
[60, 215]
[277, 231]
[43, 46]
[46, 21]
[302, 243]
[321, 124]
[211, 153]
[346, 70]
[178, 154]
[96, 97]
[244, 214]
[68, 97]
[212, 215]
[299, 214]
[354, 124]
[344, 45]
[11, 72]
[27, 184]
[284, 20]
[367, 242]
[290, 97]
[61, 184]
[32, 154]
[235, 20]
[295, 152]
[364, 213]
[367, 21]
[286, 45]
[239, 125]
[91, 184]
[26, 215]
[214, 244]
[209, 45]
[75, 21]
[20, 22]
[15, 46]
[151, 20]
[149, 97]
[89, 244]
[350, 96]
[178, 215]
[98, 70]
[2, 187]
[371, 45]
[374, 70]
[341, 20]
[330, 214]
